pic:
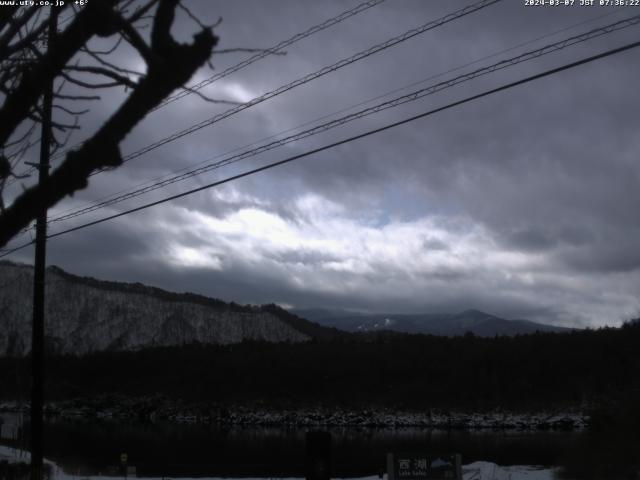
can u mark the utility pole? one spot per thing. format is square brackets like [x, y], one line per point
[37, 334]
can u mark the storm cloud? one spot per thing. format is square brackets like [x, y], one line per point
[523, 203]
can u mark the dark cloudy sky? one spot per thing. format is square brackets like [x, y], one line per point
[523, 204]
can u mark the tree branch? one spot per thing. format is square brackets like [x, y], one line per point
[14, 27]
[110, 65]
[30, 38]
[140, 12]
[175, 64]
[120, 79]
[17, 105]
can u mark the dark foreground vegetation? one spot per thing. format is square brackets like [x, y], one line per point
[532, 372]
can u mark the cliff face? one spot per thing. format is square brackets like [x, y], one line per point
[86, 315]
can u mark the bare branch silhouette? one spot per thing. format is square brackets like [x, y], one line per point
[27, 64]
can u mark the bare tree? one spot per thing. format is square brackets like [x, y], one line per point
[27, 64]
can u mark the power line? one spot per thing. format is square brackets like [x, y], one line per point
[307, 78]
[410, 97]
[272, 50]
[8, 251]
[254, 58]
[472, 98]
[311, 76]
[152, 181]
[317, 74]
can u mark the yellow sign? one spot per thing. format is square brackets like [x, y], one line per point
[123, 458]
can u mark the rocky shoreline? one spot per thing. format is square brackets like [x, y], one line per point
[160, 408]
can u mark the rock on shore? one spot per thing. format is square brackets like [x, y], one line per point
[161, 408]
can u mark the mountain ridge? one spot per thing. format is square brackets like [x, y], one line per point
[85, 314]
[444, 324]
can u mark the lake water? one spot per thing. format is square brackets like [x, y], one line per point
[163, 449]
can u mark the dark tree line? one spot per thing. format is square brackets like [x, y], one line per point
[399, 371]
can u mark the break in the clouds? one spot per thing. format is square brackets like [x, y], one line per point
[523, 204]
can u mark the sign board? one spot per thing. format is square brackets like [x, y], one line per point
[423, 466]
[123, 458]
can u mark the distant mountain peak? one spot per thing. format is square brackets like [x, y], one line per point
[471, 320]
[472, 312]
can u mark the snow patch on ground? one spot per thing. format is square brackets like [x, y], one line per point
[491, 471]
[472, 471]
[13, 455]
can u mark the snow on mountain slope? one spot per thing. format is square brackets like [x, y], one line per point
[85, 315]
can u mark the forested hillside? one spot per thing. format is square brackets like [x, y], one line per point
[400, 371]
